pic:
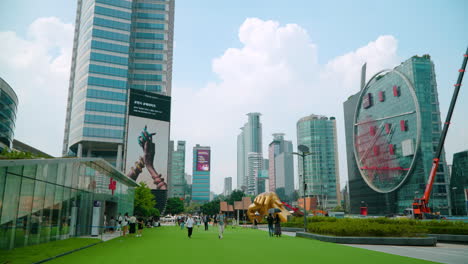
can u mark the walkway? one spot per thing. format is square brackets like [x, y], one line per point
[169, 244]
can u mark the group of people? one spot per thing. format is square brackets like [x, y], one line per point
[126, 224]
[189, 221]
[276, 229]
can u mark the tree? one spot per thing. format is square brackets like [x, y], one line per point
[337, 208]
[144, 201]
[174, 206]
[295, 195]
[281, 192]
[236, 195]
[210, 208]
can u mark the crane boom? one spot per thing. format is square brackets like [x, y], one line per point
[420, 205]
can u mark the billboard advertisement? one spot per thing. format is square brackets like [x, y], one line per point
[203, 160]
[147, 138]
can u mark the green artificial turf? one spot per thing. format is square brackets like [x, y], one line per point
[35, 253]
[171, 245]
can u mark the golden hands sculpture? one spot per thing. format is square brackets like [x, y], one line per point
[262, 203]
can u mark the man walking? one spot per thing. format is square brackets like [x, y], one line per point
[206, 219]
[189, 224]
[270, 220]
[221, 221]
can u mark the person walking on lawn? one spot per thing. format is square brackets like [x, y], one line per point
[221, 222]
[270, 221]
[189, 224]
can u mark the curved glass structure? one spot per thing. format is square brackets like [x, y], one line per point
[386, 131]
[8, 107]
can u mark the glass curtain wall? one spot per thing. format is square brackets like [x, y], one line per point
[47, 200]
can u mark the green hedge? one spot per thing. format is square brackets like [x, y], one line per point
[378, 226]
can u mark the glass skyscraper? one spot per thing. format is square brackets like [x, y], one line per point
[8, 107]
[201, 174]
[118, 45]
[419, 78]
[459, 183]
[248, 141]
[321, 167]
[177, 184]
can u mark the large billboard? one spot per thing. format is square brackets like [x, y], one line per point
[203, 160]
[147, 142]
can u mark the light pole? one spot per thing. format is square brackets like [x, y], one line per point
[305, 152]
[454, 190]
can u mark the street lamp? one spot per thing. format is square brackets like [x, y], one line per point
[305, 152]
[454, 189]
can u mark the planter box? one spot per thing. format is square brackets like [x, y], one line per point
[292, 229]
[397, 241]
[462, 239]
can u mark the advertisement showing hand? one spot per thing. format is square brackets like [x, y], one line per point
[145, 140]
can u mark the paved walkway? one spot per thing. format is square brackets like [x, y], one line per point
[443, 253]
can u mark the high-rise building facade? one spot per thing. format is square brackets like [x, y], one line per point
[394, 133]
[227, 186]
[118, 45]
[255, 166]
[248, 141]
[459, 183]
[177, 183]
[8, 107]
[201, 174]
[281, 165]
[322, 178]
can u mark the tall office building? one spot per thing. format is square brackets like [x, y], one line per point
[391, 137]
[227, 186]
[249, 140]
[118, 45]
[321, 167]
[255, 166]
[8, 107]
[459, 183]
[177, 183]
[281, 165]
[201, 174]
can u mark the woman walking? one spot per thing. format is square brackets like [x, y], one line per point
[132, 223]
[277, 226]
[125, 224]
[141, 223]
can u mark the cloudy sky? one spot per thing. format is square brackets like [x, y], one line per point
[284, 59]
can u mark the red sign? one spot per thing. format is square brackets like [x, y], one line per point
[112, 185]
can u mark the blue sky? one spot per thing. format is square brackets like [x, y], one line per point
[205, 33]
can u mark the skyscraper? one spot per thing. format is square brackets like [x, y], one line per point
[255, 166]
[459, 183]
[248, 141]
[177, 183]
[392, 135]
[281, 166]
[321, 167]
[201, 174]
[118, 45]
[8, 107]
[227, 186]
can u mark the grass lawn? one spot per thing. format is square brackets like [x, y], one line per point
[171, 245]
[31, 254]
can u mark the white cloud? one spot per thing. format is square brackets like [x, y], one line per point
[37, 67]
[276, 73]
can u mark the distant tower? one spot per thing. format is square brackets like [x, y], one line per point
[201, 174]
[248, 141]
[281, 165]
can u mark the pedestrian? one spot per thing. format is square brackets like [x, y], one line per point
[132, 222]
[206, 220]
[182, 222]
[270, 220]
[277, 226]
[141, 223]
[215, 221]
[119, 222]
[189, 223]
[112, 225]
[221, 222]
[125, 224]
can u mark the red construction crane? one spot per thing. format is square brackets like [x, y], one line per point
[420, 205]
